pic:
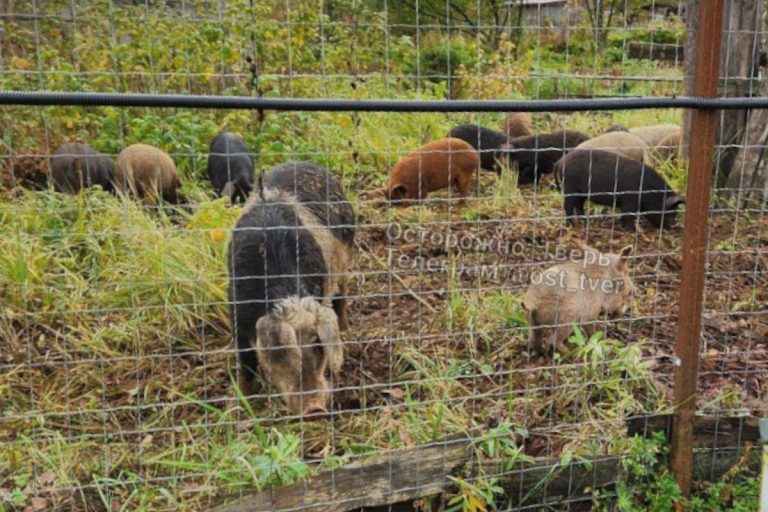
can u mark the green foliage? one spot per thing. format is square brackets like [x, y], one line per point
[739, 492]
[439, 58]
[477, 495]
[608, 370]
[498, 444]
[648, 485]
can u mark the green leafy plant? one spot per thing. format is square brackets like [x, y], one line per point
[477, 495]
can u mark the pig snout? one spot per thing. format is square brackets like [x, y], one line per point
[314, 409]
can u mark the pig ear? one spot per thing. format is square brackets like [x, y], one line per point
[398, 192]
[624, 255]
[328, 331]
[673, 201]
[266, 335]
[272, 334]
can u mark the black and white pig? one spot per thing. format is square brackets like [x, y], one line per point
[484, 140]
[230, 167]
[607, 178]
[288, 257]
[537, 154]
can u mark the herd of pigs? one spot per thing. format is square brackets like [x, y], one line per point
[293, 243]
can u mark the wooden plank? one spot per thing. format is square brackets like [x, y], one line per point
[406, 475]
[708, 431]
[554, 483]
[401, 475]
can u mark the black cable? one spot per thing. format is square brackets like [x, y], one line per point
[48, 98]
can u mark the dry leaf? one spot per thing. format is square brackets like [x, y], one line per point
[38, 503]
[47, 479]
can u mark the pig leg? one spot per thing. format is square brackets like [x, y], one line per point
[574, 206]
[563, 332]
[340, 307]
[245, 335]
[629, 212]
[463, 184]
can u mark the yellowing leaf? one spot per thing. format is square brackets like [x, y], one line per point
[19, 63]
[217, 234]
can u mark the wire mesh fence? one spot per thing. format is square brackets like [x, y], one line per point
[288, 310]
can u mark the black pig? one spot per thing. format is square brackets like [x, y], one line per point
[76, 166]
[230, 167]
[608, 178]
[287, 259]
[484, 140]
[537, 154]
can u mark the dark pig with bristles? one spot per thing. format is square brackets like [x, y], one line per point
[610, 179]
[230, 167]
[76, 166]
[536, 155]
[484, 140]
[288, 258]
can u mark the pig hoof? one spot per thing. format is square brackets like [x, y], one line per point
[247, 386]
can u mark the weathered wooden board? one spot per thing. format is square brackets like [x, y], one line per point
[406, 475]
[390, 478]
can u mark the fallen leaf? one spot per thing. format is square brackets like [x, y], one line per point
[47, 479]
[38, 503]
[146, 442]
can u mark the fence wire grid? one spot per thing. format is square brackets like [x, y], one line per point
[323, 309]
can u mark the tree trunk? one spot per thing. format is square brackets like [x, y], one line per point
[749, 176]
[739, 64]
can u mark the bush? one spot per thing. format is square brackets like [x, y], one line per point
[439, 57]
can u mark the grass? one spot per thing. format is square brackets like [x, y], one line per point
[117, 364]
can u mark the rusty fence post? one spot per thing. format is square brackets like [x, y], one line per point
[702, 139]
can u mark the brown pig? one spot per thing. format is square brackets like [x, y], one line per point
[652, 135]
[434, 166]
[670, 147]
[517, 124]
[575, 292]
[147, 173]
[623, 143]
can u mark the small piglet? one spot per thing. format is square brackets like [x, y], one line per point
[434, 166]
[611, 179]
[76, 166]
[574, 293]
[537, 154]
[484, 140]
[147, 173]
[230, 167]
[517, 124]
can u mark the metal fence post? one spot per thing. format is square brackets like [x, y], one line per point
[694, 243]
